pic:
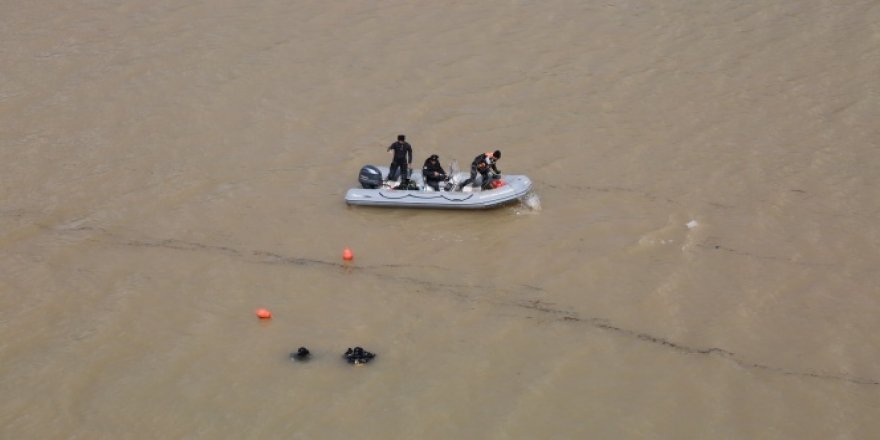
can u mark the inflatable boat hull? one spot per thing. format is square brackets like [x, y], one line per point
[515, 187]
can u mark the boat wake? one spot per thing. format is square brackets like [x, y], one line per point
[532, 201]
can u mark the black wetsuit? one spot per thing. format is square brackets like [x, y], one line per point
[402, 160]
[433, 173]
[482, 164]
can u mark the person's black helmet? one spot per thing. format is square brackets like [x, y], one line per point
[434, 157]
[497, 154]
[401, 137]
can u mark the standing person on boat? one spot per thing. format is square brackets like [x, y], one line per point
[401, 158]
[482, 164]
[433, 173]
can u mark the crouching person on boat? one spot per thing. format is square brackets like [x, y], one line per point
[483, 164]
[433, 172]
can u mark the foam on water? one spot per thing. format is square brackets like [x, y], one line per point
[532, 201]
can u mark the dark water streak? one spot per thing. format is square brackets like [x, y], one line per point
[547, 310]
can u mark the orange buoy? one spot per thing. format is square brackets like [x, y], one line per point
[347, 255]
[264, 314]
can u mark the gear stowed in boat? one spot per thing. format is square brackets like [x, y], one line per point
[377, 191]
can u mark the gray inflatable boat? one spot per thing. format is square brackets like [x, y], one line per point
[376, 191]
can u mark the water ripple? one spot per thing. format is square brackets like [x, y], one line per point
[544, 308]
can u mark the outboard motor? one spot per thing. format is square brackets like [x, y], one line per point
[370, 177]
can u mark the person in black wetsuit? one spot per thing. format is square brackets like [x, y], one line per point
[482, 164]
[402, 158]
[433, 173]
